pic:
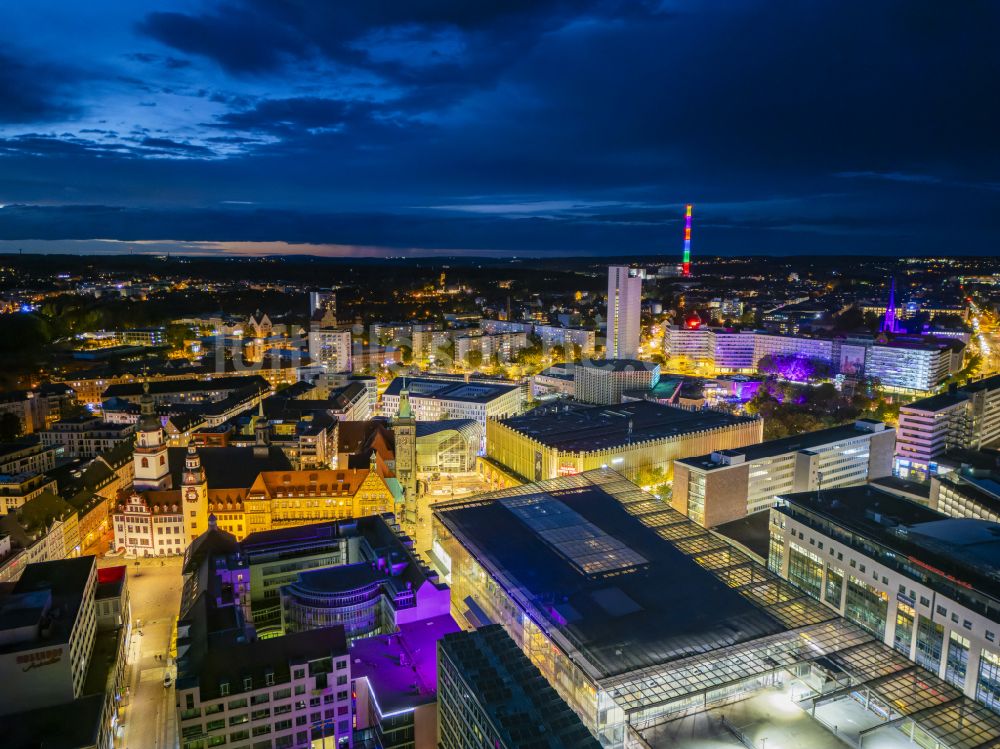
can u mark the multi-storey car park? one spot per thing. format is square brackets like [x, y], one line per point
[589, 576]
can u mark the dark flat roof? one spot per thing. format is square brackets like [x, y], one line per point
[621, 618]
[575, 427]
[397, 683]
[512, 691]
[474, 391]
[751, 532]
[74, 725]
[228, 467]
[66, 580]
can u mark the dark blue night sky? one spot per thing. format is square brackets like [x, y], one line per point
[517, 127]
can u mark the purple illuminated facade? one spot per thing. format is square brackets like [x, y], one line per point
[890, 324]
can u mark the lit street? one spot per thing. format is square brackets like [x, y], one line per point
[444, 489]
[149, 720]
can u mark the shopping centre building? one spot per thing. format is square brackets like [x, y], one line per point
[588, 574]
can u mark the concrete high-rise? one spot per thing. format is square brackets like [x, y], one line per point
[624, 300]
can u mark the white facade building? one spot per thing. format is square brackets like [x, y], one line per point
[331, 347]
[624, 308]
[917, 580]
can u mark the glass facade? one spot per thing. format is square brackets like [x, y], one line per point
[866, 606]
[834, 587]
[958, 660]
[805, 570]
[930, 643]
[470, 582]
[775, 552]
[903, 638]
[988, 686]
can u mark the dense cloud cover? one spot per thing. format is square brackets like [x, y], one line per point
[529, 126]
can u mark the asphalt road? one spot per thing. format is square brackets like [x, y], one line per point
[155, 592]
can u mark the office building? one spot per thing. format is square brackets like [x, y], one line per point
[49, 620]
[378, 586]
[378, 691]
[434, 399]
[557, 381]
[602, 381]
[232, 689]
[624, 306]
[490, 696]
[972, 490]
[918, 580]
[446, 447]
[395, 678]
[964, 417]
[603, 626]
[64, 631]
[910, 367]
[563, 438]
[729, 484]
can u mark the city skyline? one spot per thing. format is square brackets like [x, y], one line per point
[254, 128]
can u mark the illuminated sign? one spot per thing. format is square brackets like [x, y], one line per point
[40, 659]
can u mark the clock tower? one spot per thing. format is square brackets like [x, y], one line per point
[194, 496]
[152, 470]
[404, 428]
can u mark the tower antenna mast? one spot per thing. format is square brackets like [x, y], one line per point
[686, 264]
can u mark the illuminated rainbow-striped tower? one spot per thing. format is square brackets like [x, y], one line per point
[686, 264]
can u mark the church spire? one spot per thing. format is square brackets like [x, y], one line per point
[890, 324]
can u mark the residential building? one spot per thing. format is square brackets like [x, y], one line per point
[331, 348]
[31, 409]
[624, 307]
[474, 712]
[565, 438]
[484, 347]
[575, 342]
[917, 364]
[26, 455]
[43, 529]
[602, 381]
[729, 484]
[18, 488]
[85, 436]
[185, 390]
[918, 580]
